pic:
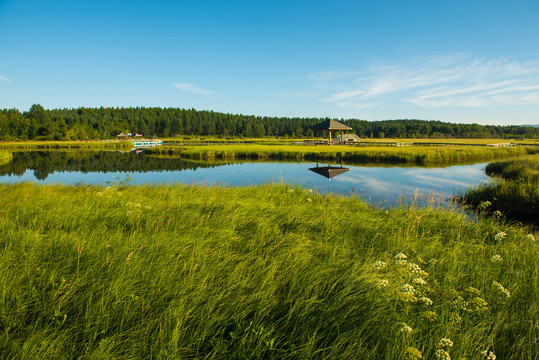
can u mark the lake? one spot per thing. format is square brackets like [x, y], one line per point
[381, 185]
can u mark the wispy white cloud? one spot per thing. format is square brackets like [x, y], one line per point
[192, 88]
[4, 79]
[458, 80]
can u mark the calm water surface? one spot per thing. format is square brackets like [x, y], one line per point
[379, 185]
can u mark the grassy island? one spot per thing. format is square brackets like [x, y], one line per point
[273, 271]
[351, 154]
[515, 191]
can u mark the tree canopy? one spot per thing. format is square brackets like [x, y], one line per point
[104, 123]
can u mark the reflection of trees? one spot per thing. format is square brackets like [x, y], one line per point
[46, 162]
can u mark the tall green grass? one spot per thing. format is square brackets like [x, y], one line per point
[414, 155]
[514, 192]
[275, 271]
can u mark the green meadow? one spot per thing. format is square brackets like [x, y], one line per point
[273, 271]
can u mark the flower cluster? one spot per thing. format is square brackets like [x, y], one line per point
[489, 354]
[382, 283]
[496, 259]
[405, 329]
[530, 237]
[501, 288]
[378, 265]
[425, 300]
[499, 236]
[442, 354]
[401, 256]
[445, 342]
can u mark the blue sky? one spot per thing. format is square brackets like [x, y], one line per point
[456, 61]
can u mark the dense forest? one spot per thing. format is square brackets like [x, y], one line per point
[82, 123]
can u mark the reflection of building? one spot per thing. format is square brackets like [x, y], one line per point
[329, 171]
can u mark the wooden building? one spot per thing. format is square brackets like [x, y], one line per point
[330, 125]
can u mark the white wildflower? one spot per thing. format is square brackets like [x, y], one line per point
[497, 213]
[138, 205]
[128, 203]
[501, 288]
[433, 261]
[496, 259]
[445, 342]
[530, 237]
[309, 200]
[416, 269]
[407, 288]
[382, 283]
[401, 262]
[129, 213]
[499, 236]
[379, 265]
[426, 300]
[419, 281]
[442, 354]
[405, 329]
[401, 256]
[489, 354]
[147, 207]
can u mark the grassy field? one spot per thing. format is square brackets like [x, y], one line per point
[212, 139]
[351, 154]
[515, 191]
[177, 272]
[53, 145]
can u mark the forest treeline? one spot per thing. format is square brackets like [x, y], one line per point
[83, 123]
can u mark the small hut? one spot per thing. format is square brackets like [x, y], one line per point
[122, 135]
[330, 125]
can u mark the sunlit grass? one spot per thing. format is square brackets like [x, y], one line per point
[272, 271]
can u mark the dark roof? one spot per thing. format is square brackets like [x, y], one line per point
[329, 171]
[331, 125]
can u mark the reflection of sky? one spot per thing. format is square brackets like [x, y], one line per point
[378, 184]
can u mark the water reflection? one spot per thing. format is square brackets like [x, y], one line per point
[377, 184]
[45, 163]
[329, 171]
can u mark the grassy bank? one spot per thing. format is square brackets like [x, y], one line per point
[414, 155]
[515, 191]
[258, 272]
[54, 145]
